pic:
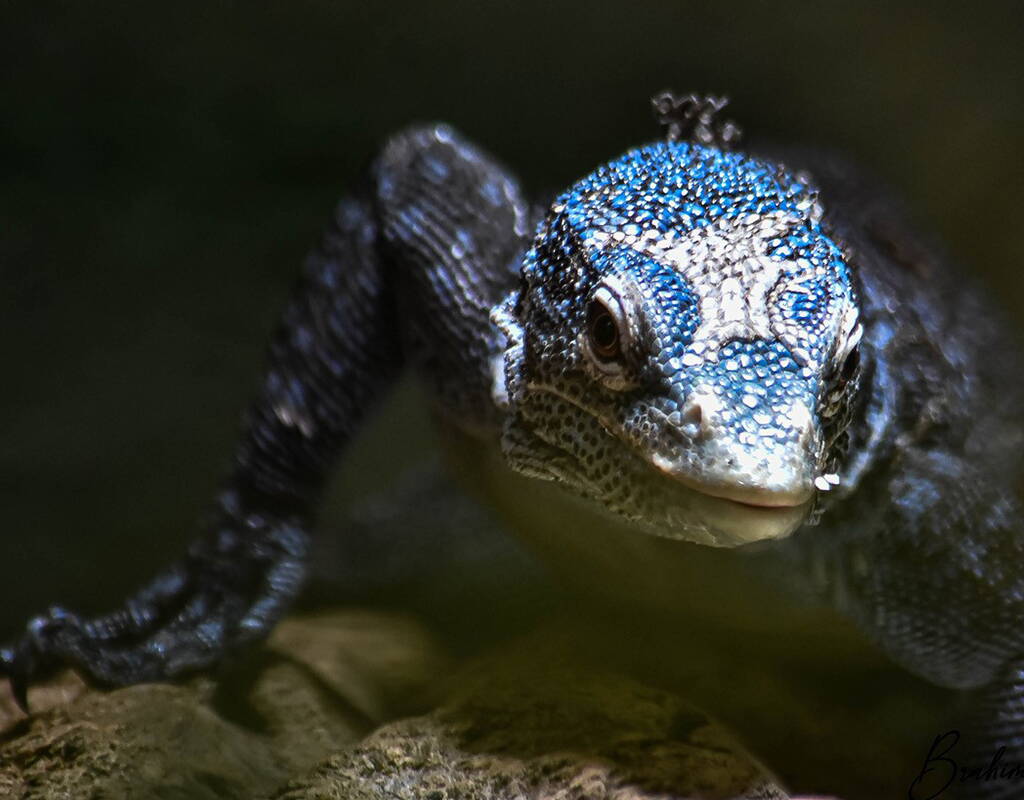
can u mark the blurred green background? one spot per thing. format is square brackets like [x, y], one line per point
[165, 166]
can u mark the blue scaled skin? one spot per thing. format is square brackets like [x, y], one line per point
[733, 318]
[708, 346]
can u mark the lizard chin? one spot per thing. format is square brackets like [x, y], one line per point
[739, 514]
[684, 513]
[755, 497]
[737, 522]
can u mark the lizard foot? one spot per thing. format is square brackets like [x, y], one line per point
[228, 592]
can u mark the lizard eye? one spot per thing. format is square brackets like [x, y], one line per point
[840, 380]
[849, 366]
[603, 326]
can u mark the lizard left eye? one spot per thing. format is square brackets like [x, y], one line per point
[849, 366]
[841, 378]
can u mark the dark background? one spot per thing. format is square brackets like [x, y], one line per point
[165, 166]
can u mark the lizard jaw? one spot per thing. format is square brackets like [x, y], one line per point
[744, 511]
[738, 522]
[750, 496]
[741, 513]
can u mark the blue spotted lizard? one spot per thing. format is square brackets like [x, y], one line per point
[746, 351]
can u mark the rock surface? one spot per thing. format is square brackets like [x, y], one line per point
[309, 719]
[322, 684]
[557, 733]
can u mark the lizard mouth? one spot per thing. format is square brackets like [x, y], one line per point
[738, 522]
[787, 493]
[724, 510]
[752, 497]
[743, 514]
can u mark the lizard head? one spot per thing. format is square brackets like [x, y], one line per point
[682, 346]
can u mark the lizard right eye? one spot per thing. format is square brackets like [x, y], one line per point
[607, 335]
[603, 331]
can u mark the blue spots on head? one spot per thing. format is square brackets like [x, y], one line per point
[668, 185]
[676, 222]
[668, 298]
[764, 370]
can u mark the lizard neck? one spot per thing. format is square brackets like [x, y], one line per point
[732, 594]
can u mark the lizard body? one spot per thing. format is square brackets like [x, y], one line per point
[750, 351]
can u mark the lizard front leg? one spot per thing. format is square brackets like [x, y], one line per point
[939, 585]
[434, 214]
[335, 349]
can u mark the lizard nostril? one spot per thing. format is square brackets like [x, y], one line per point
[697, 414]
[693, 418]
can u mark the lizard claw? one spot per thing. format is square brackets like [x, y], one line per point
[17, 668]
[32, 655]
[189, 618]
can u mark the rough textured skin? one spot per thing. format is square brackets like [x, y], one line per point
[713, 346]
[735, 319]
